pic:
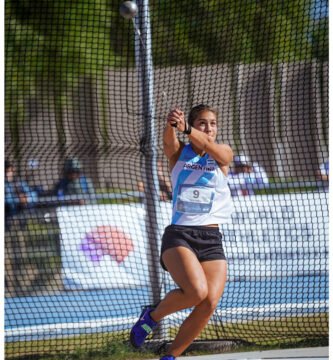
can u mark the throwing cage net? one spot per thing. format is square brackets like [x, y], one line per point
[87, 188]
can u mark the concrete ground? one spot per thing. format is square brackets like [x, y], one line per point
[313, 353]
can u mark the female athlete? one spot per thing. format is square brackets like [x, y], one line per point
[192, 249]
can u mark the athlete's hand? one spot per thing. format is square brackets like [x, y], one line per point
[176, 119]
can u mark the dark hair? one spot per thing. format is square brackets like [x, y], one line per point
[196, 110]
[72, 165]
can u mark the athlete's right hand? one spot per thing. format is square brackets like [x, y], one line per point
[176, 119]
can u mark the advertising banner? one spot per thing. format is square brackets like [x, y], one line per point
[277, 235]
[105, 246]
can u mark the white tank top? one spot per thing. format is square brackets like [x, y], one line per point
[201, 195]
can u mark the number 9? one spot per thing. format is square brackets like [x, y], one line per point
[196, 194]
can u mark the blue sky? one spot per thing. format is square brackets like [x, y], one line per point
[319, 9]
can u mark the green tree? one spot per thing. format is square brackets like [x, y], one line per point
[51, 44]
[237, 31]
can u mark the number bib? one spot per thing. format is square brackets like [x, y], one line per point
[195, 199]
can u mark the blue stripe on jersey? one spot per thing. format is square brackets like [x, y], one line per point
[190, 170]
[186, 153]
[202, 181]
[183, 175]
[189, 155]
[176, 217]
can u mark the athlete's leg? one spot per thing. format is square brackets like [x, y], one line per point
[187, 272]
[189, 275]
[216, 275]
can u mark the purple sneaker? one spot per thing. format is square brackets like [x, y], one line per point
[168, 357]
[143, 327]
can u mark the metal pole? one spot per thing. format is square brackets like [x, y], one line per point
[144, 61]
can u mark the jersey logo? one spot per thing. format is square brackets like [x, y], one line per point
[196, 166]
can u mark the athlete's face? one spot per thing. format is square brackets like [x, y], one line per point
[207, 123]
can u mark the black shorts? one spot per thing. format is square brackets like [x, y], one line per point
[204, 241]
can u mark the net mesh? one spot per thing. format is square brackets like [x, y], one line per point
[87, 188]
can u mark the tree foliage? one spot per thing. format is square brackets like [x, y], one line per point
[236, 31]
[57, 41]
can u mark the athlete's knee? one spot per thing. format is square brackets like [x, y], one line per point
[208, 305]
[197, 293]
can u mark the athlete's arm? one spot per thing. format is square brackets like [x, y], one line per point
[222, 153]
[172, 146]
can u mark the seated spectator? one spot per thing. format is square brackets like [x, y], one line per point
[73, 181]
[322, 174]
[18, 194]
[246, 176]
[32, 177]
[260, 175]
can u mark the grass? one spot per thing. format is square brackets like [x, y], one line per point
[272, 332]
[304, 331]
[92, 346]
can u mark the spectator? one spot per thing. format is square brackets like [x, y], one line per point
[73, 181]
[246, 176]
[322, 174]
[18, 194]
[32, 177]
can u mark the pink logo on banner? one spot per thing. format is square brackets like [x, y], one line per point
[107, 240]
